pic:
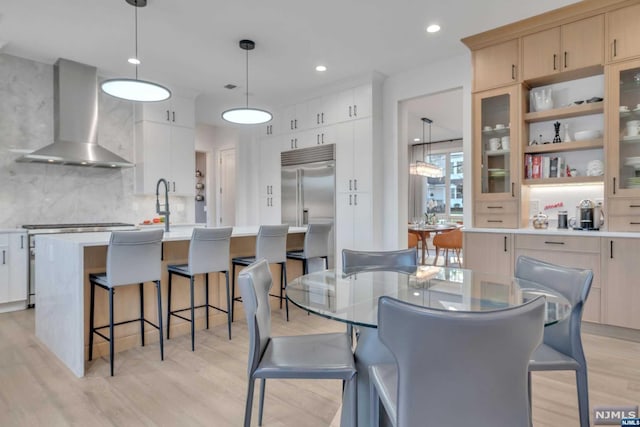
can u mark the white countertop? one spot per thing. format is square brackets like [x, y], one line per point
[177, 233]
[552, 231]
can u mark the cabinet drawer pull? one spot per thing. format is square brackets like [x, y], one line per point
[554, 62]
[174, 186]
[355, 200]
[350, 199]
[513, 189]
[295, 123]
[513, 72]
[634, 223]
[21, 242]
[611, 249]
[322, 139]
[350, 111]
[494, 220]
[321, 117]
[350, 186]
[4, 261]
[355, 185]
[634, 206]
[355, 111]
[317, 139]
[317, 118]
[167, 115]
[291, 124]
[553, 243]
[565, 59]
[174, 116]
[615, 47]
[495, 207]
[505, 243]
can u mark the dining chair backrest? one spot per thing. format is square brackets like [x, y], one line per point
[134, 257]
[316, 241]
[271, 243]
[573, 284]
[209, 250]
[363, 260]
[467, 367]
[255, 282]
[449, 239]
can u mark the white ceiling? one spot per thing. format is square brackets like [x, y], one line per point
[194, 44]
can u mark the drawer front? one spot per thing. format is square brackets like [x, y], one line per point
[4, 239]
[624, 223]
[558, 243]
[496, 221]
[496, 208]
[624, 207]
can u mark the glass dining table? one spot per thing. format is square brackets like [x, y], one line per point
[353, 299]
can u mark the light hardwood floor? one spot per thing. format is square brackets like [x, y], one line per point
[208, 387]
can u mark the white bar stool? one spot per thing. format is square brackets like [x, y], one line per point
[316, 245]
[208, 253]
[132, 257]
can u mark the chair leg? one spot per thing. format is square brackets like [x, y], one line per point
[353, 383]
[583, 396]
[206, 297]
[283, 279]
[226, 276]
[530, 396]
[169, 307]
[193, 315]
[91, 315]
[374, 405]
[160, 319]
[457, 251]
[111, 337]
[263, 383]
[435, 261]
[233, 290]
[305, 267]
[141, 313]
[249, 404]
[446, 257]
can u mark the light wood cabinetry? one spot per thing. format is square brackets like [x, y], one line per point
[620, 272]
[165, 146]
[568, 47]
[623, 33]
[14, 257]
[496, 65]
[489, 253]
[575, 252]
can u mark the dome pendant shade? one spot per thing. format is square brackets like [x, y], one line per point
[135, 89]
[247, 115]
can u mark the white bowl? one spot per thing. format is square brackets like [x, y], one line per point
[587, 134]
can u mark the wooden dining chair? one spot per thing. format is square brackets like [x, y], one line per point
[448, 240]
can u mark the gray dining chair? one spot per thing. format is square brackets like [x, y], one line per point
[208, 253]
[561, 349]
[320, 356]
[316, 245]
[455, 367]
[405, 260]
[133, 257]
[271, 244]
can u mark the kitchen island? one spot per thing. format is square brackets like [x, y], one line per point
[63, 265]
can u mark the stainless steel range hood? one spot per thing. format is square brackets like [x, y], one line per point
[75, 97]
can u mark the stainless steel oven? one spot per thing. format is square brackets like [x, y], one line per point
[34, 229]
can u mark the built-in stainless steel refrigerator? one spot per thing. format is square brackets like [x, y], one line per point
[308, 188]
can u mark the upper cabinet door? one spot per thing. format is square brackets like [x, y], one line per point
[623, 33]
[496, 65]
[541, 54]
[583, 43]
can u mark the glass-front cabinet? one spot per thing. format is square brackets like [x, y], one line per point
[624, 129]
[496, 140]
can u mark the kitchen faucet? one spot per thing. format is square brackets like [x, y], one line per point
[164, 212]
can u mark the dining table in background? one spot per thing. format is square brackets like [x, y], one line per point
[353, 299]
[424, 232]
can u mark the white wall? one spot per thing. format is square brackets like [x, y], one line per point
[437, 77]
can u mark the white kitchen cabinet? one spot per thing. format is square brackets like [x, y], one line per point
[177, 111]
[354, 103]
[270, 210]
[270, 149]
[323, 111]
[354, 223]
[354, 156]
[294, 117]
[165, 151]
[14, 258]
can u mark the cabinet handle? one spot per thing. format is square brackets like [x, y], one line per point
[611, 249]
[350, 187]
[295, 123]
[505, 243]
[554, 62]
[614, 185]
[615, 47]
[355, 111]
[296, 142]
[634, 223]
[167, 115]
[355, 200]
[634, 206]
[553, 243]
[21, 242]
[350, 111]
[565, 59]
[321, 117]
[292, 143]
[322, 139]
[513, 189]
[494, 220]
[317, 139]
[317, 118]
[355, 185]
[495, 207]
[350, 199]
[4, 261]
[174, 186]
[513, 72]
[173, 113]
[291, 125]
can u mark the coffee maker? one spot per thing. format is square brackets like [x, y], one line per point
[589, 216]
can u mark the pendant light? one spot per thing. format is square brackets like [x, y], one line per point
[421, 167]
[135, 89]
[246, 115]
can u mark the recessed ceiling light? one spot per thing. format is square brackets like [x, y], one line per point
[134, 61]
[416, 139]
[321, 68]
[433, 28]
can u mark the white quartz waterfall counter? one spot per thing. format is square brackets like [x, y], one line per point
[63, 262]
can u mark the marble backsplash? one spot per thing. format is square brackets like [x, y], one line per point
[33, 193]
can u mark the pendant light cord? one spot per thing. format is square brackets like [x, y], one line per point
[247, 74]
[136, 38]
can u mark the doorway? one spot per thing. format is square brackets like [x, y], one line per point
[226, 191]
